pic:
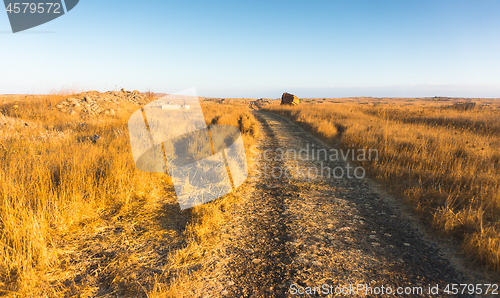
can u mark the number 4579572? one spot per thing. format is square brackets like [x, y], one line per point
[34, 8]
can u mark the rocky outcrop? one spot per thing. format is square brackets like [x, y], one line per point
[96, 103]
[289, 99]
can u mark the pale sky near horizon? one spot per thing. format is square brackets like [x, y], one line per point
[261, 48]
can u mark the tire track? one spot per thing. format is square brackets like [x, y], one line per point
[266, 259]
[310, 231]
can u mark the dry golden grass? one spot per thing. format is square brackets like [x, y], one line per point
[443, 159]
[77, 217]
[234, 114]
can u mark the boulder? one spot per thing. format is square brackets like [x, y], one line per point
[289, 99]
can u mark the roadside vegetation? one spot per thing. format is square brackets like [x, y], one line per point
[77, 217]
[443, 159]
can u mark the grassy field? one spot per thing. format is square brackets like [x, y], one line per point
[77, 217]
[441, 157]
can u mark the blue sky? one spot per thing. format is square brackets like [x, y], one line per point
[261, 48]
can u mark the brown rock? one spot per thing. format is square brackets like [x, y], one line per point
[289, 99]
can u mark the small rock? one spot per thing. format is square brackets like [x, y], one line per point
[348, 240]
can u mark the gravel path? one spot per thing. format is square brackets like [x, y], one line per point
[291, 233]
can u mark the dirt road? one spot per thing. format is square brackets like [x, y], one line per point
[297, 231]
